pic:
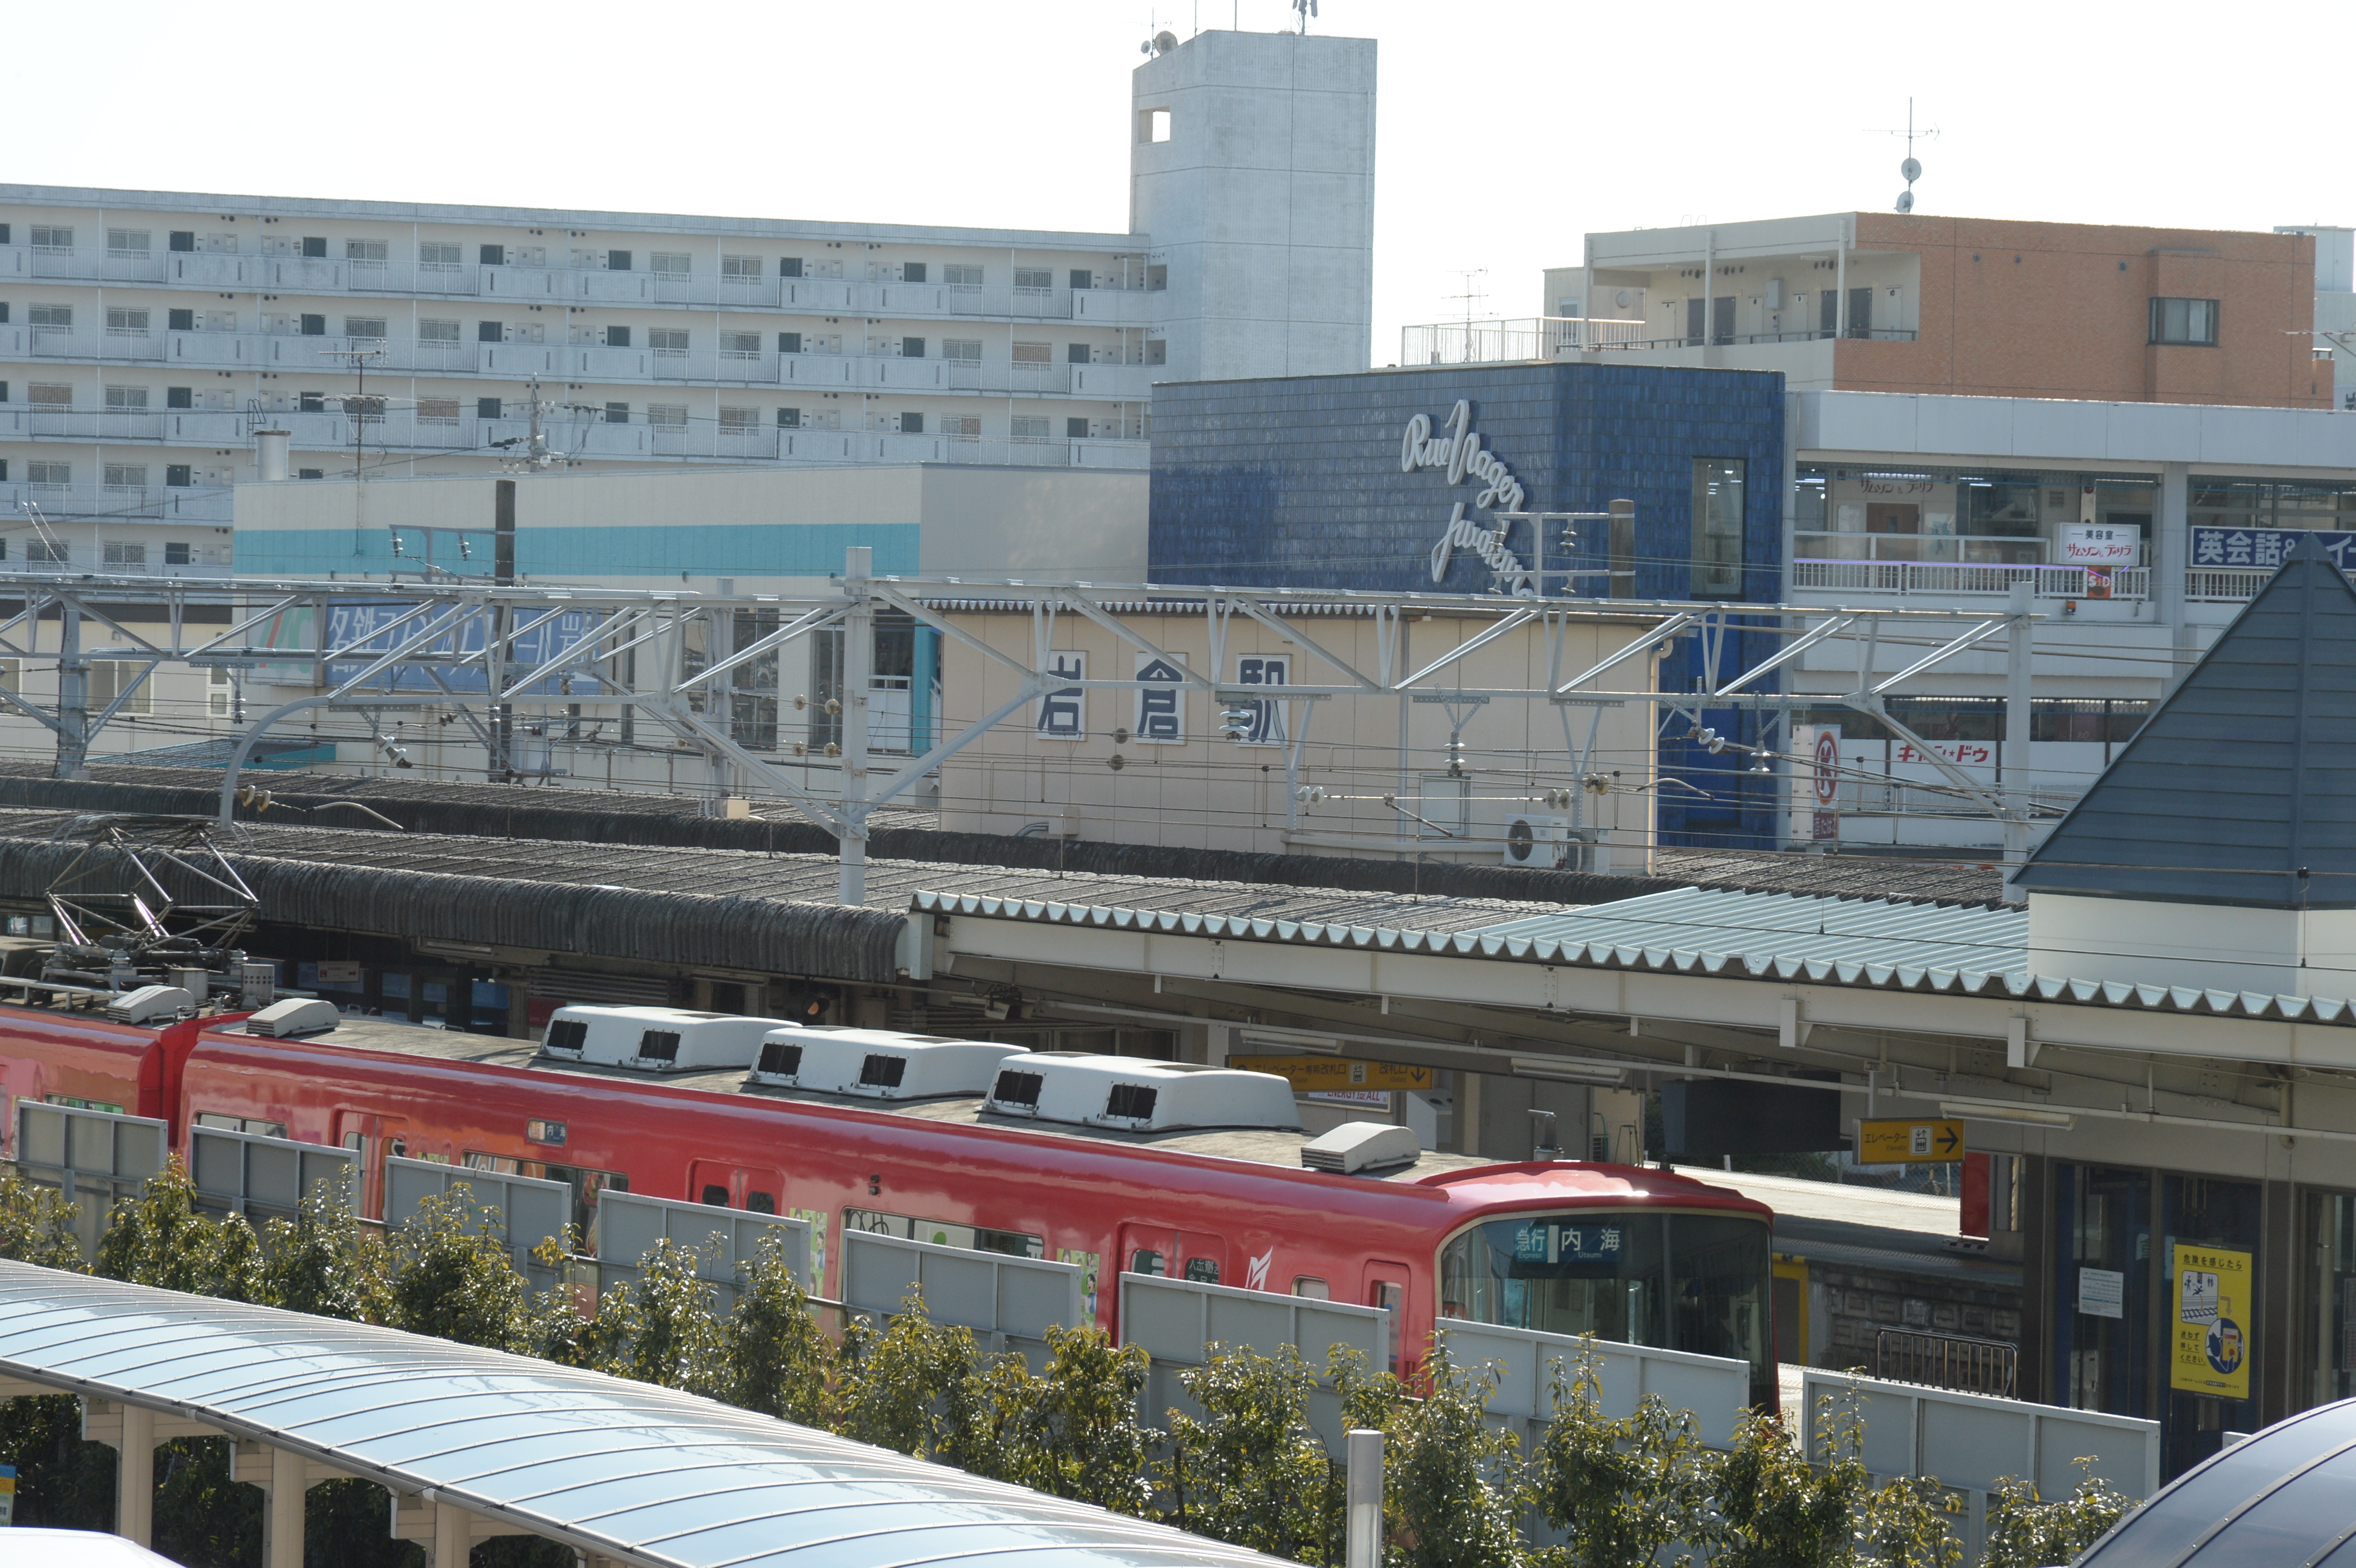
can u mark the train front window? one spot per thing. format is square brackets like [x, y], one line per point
[1683, 1282]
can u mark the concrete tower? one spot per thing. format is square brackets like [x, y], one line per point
[1252, 167]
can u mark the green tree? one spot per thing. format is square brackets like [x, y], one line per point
[36, 1224]
[159, 1239]
[1622, 1491]
[452, 1276]
[904, 1385]
[62, 1482]
[1451, 1482]
[2023, 1533]
[1071, 1430]
[1249, 1468]
[1773, 1508]
[324, 1261]
[203, 1518]
[1905, 1525]
[672, 1335]
[777, 1355]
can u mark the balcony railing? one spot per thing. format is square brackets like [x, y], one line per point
[313, 274]
[1555, 337]
[114, 503]
[1952, 580]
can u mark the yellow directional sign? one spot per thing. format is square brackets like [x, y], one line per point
[1900, 1142]
[1311, 1074]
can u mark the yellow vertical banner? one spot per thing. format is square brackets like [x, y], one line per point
[2210, 1287]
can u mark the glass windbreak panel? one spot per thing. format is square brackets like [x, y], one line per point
[2301, 1519]
[1685, 1282]
[2328, 1349]
[2102, 1310]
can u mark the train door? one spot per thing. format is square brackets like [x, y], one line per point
[1386, 1288]
[725, 1186]
[371, 1137]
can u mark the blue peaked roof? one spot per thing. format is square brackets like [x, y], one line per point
[2241, 788]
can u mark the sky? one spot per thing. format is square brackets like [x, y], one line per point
[1506, 129]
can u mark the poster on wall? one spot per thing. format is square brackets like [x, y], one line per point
[2211, 1350]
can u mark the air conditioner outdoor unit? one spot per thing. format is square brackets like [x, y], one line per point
[1535, 840]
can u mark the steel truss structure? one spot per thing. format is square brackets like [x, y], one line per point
[480, 648]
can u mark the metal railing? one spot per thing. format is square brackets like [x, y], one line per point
[1952, 1361]
[1949, 580]
[1552, 337]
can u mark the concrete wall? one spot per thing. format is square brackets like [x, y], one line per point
[768, 531]
[1260, 202]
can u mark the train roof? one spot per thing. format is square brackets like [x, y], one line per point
[1519, 1184]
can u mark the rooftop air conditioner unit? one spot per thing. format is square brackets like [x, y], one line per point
[295, 1016]
[1354, 1147]
[657, 1039]
[1130, 1095]
[150, 1002]
[1532, 840]
[877, 1064]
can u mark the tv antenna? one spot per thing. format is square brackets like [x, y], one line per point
[1304, 9]
[1471, 294]
[361, 407]
[1910, 169]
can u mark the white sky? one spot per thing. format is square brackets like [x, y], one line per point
[1508, 128]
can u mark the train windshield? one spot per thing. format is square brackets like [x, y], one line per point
[1683, 1282]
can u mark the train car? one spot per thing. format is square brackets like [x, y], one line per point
[1110, 1163]
[81, 1059]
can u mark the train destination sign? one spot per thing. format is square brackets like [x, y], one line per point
[1909, 1142]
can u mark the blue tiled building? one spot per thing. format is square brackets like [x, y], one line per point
[1304, 482]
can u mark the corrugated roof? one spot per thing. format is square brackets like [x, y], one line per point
[626, 1469]
[2237, 790]
[1786, 929]
[1906, 947]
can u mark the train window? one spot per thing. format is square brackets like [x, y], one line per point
[240, 1124]
[398, 1149]
[760, 1203]
[1202, 1271]
[541, 1132]
[1387, 1296]
[1144, 1262]
[946, 1234]
[71, 1103]
[715, 1195]
[567, 1035]
[1313, 1289]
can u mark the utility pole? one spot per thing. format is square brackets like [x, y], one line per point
[858, 676]
[2017, 690]
[358, 406]
[73, 693]
[503, 567]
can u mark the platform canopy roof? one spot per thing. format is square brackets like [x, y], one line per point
[621, 1470]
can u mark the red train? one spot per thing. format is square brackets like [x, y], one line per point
[1144, 1183]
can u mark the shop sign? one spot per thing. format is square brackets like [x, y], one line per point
[1825, 825]
[2266, 547]
[1336, 1074]
[2211, 1352]
[1457, 451]
[2101, 544]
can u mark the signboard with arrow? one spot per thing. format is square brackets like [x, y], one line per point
[1902, 1143]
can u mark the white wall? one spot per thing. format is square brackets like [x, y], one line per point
[1261, 202]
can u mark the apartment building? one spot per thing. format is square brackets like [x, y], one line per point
[1878, 302]
[145, 336]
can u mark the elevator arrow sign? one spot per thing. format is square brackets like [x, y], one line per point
[1900, 1142]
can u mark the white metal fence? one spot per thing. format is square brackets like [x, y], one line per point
[96, 1158]
[1715, 1388]
[1009, 1302]
[630, 1225]
[1971, 1442]
[260, 1176]
[527, 1211]
[1178, 1320]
